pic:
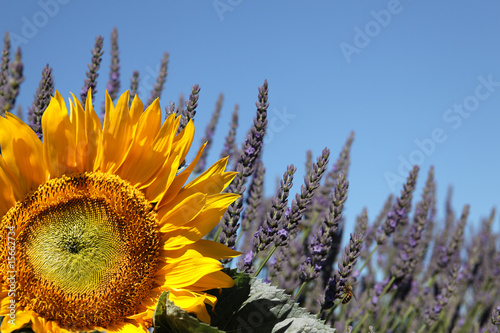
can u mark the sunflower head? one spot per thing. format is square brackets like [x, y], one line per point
[97, 221]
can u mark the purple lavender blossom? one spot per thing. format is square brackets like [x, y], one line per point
[289, 260]
[113, 85]
[269, 231]
[495, 316]
[229, 142]
[372, 229]
[245, 168]
[11, 77]
[169, 109]
[4, 74]
[341, 166]
[350, 256]
[246, 263]
[190, 110]
[332, 292]
[254, 200]
[362, 222]
[441, 300]
[209, 133]
[299, 204]
[332, 221]
[318, 251]
[452, 252]
[161, 79]
[407, 255]
[399, 213]
[134, 86]
[180, 105]
[43, 94]
[11, 91]
[92, 75]
[309, 161]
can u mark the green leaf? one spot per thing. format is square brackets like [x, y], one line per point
[229, 300]
[169, 318]
[254, 306]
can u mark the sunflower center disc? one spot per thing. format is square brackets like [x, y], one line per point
[77, 245]
[88, 250]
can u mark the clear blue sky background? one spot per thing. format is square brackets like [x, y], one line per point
[394, 83]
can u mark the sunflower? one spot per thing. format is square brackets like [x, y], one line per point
[97, 221]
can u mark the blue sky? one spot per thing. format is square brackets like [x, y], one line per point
[418, 81]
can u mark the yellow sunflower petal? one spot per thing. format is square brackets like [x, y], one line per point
[216, 169]
[182, 141]
[116, 134]
[8, 191]
[21, 319]
[88, 133]
[193, 302]
[19, 143]
[199, 226]
[188, 271]
[127, 327]
[212, 281]
[212, 185]
[136, 110]
[59, 143]
[184, 211]
[180, 148]
[142, 149]
[179, 181]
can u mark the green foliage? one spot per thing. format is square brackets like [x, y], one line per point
[253, 306]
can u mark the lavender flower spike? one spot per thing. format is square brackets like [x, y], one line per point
[350, 255]
[338, 282]
[229, 145]
[191, 104]
[406, 263]
[455, 245]
[113, 86]
[495, 316]
[209, 133]
[268, 233]
[4, 74]
[43, 94]
[245, 167]
[92, 75]
[299, 204]
[134, 86]
[341, 165]
[252, 215]
[160, 80]
[332, 222]
[400, 210]
[332, 292]
[15, 79]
